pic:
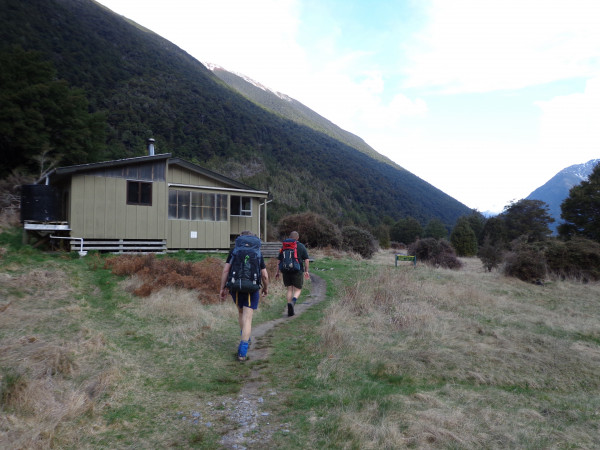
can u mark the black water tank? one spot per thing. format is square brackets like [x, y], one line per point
[40, 203]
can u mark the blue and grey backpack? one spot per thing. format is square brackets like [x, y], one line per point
[244, 274]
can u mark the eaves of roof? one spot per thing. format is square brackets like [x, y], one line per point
[115, 163]
[62, 172]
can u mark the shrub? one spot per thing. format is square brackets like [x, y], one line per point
[382, 234]
[435, 252]
[490, 255]
[526, 263]
[576, 258]
[357, 240]
[314, 229]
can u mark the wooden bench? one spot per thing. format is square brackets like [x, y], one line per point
[270, 249]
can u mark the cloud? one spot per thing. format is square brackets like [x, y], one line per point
[570, 123]
[479, 46]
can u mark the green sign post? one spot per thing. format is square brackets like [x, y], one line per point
[399, 257]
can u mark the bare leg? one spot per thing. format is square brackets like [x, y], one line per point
[296, 292]
[245, 319]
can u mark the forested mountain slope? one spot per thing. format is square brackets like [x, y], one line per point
[148, 87]
[292, 109]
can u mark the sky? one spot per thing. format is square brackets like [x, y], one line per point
[484, 99]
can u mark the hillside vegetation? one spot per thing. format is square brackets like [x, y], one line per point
[395, 357]
[147, 87]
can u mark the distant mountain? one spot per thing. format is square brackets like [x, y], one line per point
[291, 109]
[148, 87]
[556, 190]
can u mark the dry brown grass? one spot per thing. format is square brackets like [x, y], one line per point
[479, 360]
[155, 274]
[152, 275]
[39, 370]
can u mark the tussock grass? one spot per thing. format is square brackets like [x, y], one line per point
[462, 359]
[399, 357]
[40, 360]
[85, 363]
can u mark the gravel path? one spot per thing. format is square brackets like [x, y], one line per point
[251, 422]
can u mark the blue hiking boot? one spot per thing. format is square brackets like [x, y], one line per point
[242, 351]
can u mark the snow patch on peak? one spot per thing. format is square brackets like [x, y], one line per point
[582, 171]
[213, 67]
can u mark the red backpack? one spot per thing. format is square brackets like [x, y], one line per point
[289, 262]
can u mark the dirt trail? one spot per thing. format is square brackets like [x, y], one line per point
[248, 415]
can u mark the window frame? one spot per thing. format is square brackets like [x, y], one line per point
[144, 191]
[242, 212]
[197, 206]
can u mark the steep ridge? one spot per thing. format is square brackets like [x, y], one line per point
[292, 109]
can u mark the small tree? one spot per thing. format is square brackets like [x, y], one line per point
[528, 218]
[406, 230]
[477, 223]
[463, 238]
[357, 240]
[436, 229]
[490, 254]
[382, 234]
[495, 231]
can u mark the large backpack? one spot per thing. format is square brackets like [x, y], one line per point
[289, 263]
[244, 274]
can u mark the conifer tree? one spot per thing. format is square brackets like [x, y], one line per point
[463, 238]
[581, 210]
[436, 229]
[42, 118]
[406, 230]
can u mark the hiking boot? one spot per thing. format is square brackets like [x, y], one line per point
[294, 300]
[242, 351]
[290, 309]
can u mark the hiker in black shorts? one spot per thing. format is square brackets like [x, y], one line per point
[246, 302]
[295, 280]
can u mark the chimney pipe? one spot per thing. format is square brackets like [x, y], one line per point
[151, 147]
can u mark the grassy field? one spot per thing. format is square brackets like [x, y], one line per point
[396, 357]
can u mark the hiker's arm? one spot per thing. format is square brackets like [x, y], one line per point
[224, 274]
[306, 275]
[265, 281]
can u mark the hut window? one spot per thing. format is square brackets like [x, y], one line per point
[241, 206]
[191, 205]
[139, 193]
